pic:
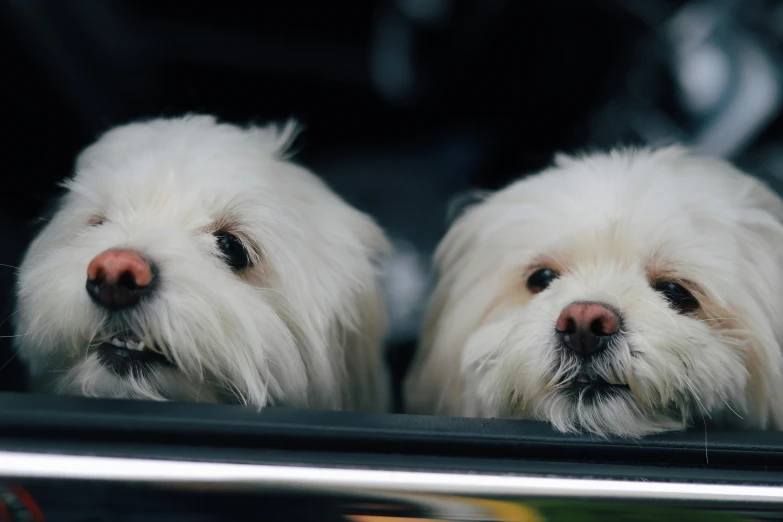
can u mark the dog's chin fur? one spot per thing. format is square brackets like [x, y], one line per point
[303, 326]
[611, 224]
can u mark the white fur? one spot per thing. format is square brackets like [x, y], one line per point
[302, 327]
[489, 347]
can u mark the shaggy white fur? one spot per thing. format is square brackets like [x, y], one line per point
[614, 229]
[302, 326]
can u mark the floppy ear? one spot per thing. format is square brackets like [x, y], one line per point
[761, 241]
[51, 208]
[367, 386]
[765, 378]
[434, 383]
[762, 349]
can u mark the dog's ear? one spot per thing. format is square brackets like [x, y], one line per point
[367, 385]
[433, 383]
[761, 245]
[765, 378]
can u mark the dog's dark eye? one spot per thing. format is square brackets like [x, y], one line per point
[95, 221]
[540, 279]
[679, 298]
[235, 253]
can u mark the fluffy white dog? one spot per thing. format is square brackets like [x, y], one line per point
[189, 260]
[617, 294]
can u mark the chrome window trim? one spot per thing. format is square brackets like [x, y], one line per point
[58, 466]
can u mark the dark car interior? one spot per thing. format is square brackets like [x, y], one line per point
[406, 107]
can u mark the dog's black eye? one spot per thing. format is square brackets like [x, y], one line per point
[540, 279]
[679, 298]
[235, 253]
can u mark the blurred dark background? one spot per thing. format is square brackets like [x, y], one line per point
[406, 104]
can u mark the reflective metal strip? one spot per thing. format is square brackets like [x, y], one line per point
[36, 465]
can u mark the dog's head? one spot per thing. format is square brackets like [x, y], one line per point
[189, 260]
[624, 294]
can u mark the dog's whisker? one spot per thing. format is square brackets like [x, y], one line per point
[703, 411]
[10, 359]
[9, 316]
[696, 398]
[722, 398]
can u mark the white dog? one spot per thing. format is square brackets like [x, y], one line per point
[617, 294]
[189, 260]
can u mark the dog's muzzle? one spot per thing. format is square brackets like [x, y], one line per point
[118, 279]
[126, 354]
[587, 329]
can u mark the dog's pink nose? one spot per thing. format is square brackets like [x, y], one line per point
[586, 328]
[118, 278]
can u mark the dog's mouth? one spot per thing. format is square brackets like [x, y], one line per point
[127, 352]
[593, 382]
